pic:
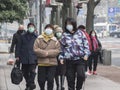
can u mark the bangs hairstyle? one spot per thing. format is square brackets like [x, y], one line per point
[81, 27]
[30, 24]
[49, 26]
[72, 22]
[91, 33]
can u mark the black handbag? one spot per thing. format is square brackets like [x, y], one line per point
[16, 75]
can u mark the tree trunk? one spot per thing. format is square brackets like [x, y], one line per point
[30, 11]
[90, 16]
[65, 12]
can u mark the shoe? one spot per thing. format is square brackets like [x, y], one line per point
[27, 88]
[89, 73]
[32, 86]
[86, 74]
[62, 88]
[94, 73]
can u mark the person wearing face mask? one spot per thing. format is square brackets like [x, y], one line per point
[75, 50]
[27, 56]
[16, 38]
[47, 48]
[58, 32]
[61, 68]
[96, 47]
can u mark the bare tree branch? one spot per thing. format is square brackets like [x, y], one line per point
[96, 2]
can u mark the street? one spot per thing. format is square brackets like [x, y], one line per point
[112, 44]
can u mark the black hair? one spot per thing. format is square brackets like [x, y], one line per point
[30, 24]
[49, 25]
[72, 22]
[81, 27]
[91, 33]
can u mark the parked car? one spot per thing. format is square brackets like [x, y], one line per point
[115, 34]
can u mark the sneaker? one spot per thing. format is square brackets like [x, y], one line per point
[94, 73]
[89, 73]
[32, 86]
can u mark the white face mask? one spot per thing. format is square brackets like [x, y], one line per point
[59, 35]
[69, 27]
[93, 34]
[48, 31]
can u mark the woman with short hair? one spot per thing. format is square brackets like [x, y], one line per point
[75, 51]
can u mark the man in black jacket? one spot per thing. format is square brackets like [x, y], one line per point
[27, 56]
[16, 39]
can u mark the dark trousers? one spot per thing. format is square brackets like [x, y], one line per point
[75, 69]
[86, 65]
[46, 73]
[29, 74]
[60, 76]
[60, 82]
[93, 60]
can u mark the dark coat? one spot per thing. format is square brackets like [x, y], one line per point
[15, 41]
[26, 53]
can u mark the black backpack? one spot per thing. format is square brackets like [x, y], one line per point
[16, 75]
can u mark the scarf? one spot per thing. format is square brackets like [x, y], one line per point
[47, 37]
[88, 38]
[95, 43]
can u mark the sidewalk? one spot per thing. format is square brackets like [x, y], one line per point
[4, 47]
[102, 81]
[108, 78]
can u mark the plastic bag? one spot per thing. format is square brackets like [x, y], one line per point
[11, 60]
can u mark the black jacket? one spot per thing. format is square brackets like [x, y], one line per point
[25, 51]
[15, 41]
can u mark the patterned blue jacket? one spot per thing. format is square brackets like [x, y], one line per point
[74, 46]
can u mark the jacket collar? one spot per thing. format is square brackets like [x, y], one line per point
[53, 38]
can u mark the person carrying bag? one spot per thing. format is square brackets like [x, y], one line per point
[16, 74]
[11, 60]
